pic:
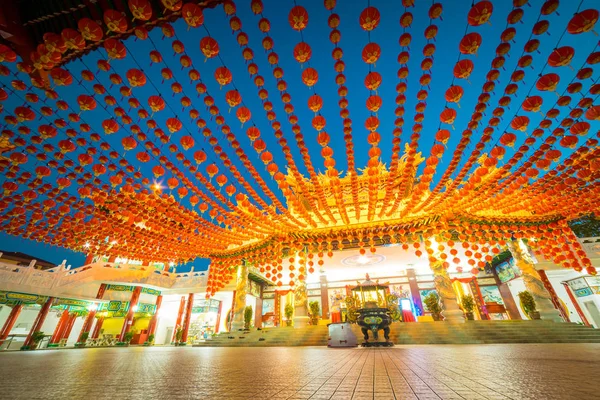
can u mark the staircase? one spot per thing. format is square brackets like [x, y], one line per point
[472, 332]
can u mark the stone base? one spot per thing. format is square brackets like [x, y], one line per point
[301, 321]
[453, 315]
[550, 315]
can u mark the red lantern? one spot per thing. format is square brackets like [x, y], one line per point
[298, 18]
[463, 69]
[141, 9]
[192, 15]
[470, 43]
[548, 82]
[115, 21]
[369, 18]
[583, 21]
[480, 13]
[561, 57]
[371, 53]
[302, 52]
[90, 30]
[223, 76]
[310, 76]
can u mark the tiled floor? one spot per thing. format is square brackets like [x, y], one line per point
[562, 371]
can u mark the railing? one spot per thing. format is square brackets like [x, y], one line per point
[59, 280]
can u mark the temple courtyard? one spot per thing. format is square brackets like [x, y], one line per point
[528, 371]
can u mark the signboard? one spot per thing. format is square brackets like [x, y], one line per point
[21, 298]
[152, 292]
[507, 271]
[594, 283]
[120, 288]
[72, 302]
[580, 287]
[146, 308]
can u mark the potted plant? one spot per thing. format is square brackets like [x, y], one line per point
[314, 312]
[150, 340]
[83, 339]
[289, 312]
[36, 338]
[468, 304]
[432, 303]
[126, 339]
[178, 336]
[528, 304]
[248, 313]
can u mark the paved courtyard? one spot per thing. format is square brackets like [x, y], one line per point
[562, 371]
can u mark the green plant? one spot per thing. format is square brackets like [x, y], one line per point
[36, 338]
[151, 338]
[289, 311]
[84, 336]
[314, 309]
[128, 337]
[248, 313]
[432, 303]
[527, 302]
[468, 303]
[178, 334]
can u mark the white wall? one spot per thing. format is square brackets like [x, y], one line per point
[167, 316]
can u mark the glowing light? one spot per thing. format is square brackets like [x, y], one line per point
[363, 259]
[92, 307]
[135, 308]
[87, 245]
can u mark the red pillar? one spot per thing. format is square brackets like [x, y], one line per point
[219, 317]
[60, 327]
[89, 321]
[10, 322]
[39, 321]
[97, 328]
[89, 259]
[69, 326]
[553, 296]
[135, 297]
[188, 317]
[154, 320]
[179, 317]
[576, 304]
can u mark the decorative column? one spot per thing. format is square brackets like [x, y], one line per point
[443, 284]
[533, 282]
[258, 312]
[576, 304]
[89, 259]
[135, 297]
[98, 327]
[217, 328]
[37, 324]
[154, 320]
[478, 297]
[237, 322]
[188, 318]
[301, 318]
[69, 326]
[60, 328]
[324, 297]
[414, 290]
[277, 308]
[509, 301]
[10, 322]
[179, 318]
[89, 321]
[553, 296]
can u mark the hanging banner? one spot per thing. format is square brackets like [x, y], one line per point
[72, 302]
[120, 288]
[152, 292]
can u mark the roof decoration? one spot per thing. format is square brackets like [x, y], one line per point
[166, 137]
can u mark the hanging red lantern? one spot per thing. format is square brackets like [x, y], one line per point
[448, 116]
[310, 76]
[470, 43]
[369, 18]
[561, 56]
[508, 139]
[223, 76]
[480, 13]
[89, 29]
[298, 18]
[315, 102]
[583, 21]
[136, 77]
[192, 15]
[209, 47]
[115, 21]
[302, 52]
[463, 69]
[174, 125]
[373, 80]
[141, 9]
[371, 53]
[454, 94]
[519, 123]
[548, 82]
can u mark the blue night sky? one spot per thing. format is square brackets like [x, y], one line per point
[353, 39]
